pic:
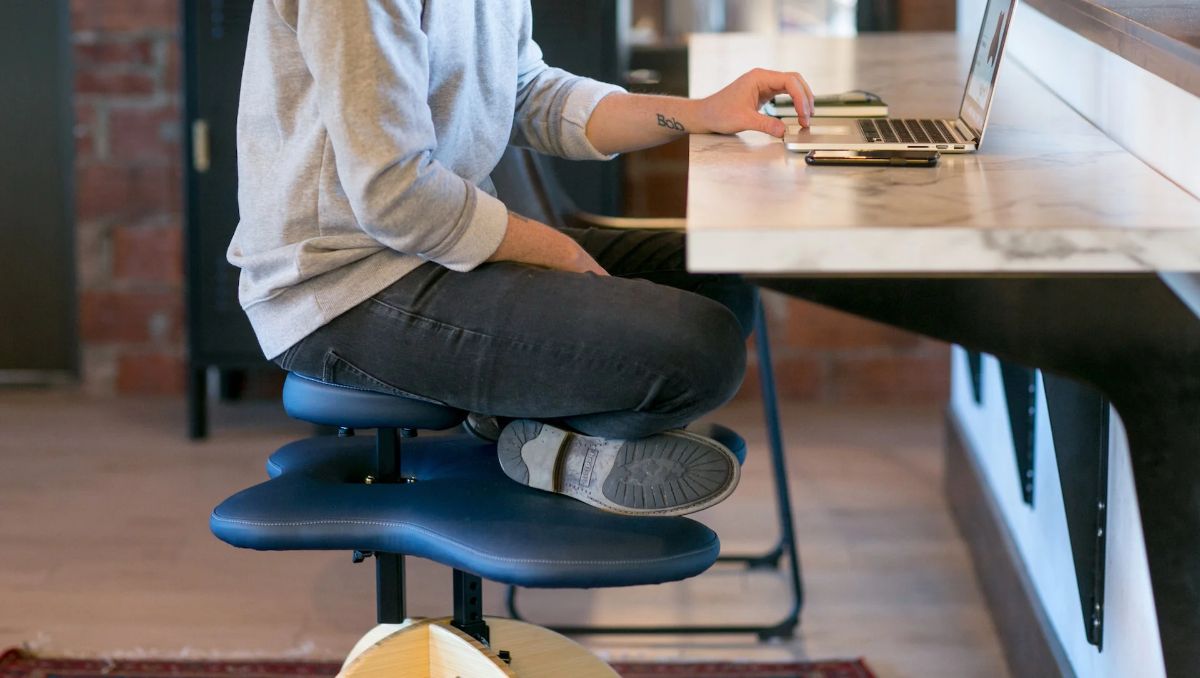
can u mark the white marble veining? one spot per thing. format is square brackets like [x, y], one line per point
[1049, 193]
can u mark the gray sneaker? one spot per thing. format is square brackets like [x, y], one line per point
[669, 474]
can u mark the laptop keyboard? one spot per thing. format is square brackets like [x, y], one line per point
[897, 131]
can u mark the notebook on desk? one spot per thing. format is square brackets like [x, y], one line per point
[961, 135]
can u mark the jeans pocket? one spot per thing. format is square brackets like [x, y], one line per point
[338, 370]
[285, 359]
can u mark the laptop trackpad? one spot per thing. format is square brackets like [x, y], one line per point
[833, 130]
[819, 130]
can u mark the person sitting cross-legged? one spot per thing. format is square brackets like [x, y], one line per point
[375, 255]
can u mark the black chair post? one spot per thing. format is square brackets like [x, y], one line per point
[389, 567]
[468, 607]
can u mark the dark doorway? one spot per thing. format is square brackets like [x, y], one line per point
[38, 334]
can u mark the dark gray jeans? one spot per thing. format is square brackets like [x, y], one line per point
[651, 349]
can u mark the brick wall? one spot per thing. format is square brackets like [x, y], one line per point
[129, 202]
[129, 167]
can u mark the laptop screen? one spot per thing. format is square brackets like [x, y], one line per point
[981, 83]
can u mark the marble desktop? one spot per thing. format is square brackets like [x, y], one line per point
[1048, 193]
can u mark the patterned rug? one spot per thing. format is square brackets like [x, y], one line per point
[16, 664]
[836, 669]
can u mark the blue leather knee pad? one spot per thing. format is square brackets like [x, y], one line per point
[460, 509]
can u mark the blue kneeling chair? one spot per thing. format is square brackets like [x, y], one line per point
[444, 498]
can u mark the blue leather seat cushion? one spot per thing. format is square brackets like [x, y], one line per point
[331, 405]
[462, 512]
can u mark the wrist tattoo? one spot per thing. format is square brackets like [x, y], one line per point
[670, 123]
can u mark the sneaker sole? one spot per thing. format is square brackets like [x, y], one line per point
[669, 474]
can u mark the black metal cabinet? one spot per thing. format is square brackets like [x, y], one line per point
[219, 335]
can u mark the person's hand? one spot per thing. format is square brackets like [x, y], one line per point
[578, 260]
[534, 243]
[737, 107]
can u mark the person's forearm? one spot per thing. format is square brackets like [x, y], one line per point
[530, 242]
[623, 123]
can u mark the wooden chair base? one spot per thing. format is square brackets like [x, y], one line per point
[432, 648]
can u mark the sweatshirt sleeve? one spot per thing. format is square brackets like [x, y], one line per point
[370, 64]
[554, 106]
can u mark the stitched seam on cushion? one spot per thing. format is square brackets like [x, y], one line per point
[364, 390]
[352, 388]
[466, 547]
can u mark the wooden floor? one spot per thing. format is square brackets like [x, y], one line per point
[105, 549]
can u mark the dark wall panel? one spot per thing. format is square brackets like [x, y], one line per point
[38, 336]
[587, 38]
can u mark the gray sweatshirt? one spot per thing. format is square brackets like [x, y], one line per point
[366, 136]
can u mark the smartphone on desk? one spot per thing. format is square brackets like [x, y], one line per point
[877, 158]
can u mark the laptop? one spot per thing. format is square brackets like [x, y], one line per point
[963, 135]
